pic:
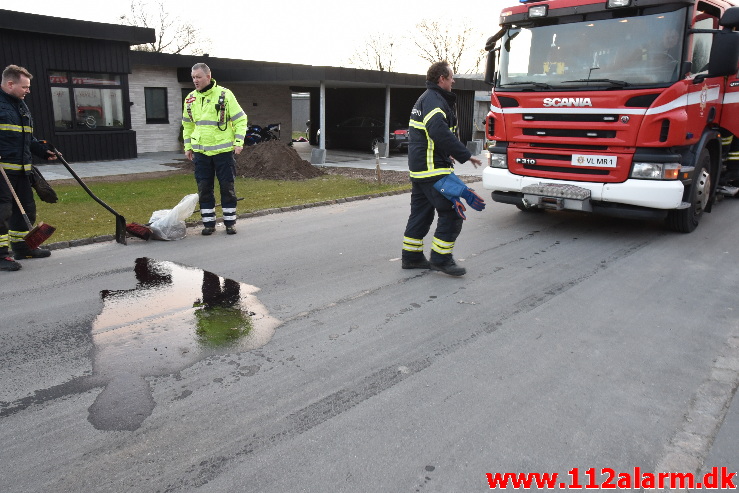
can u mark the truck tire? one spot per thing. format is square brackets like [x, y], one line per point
[686, 220]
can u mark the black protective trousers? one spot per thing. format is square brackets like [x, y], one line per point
[12, 225]
[425, 201]
[207, 169]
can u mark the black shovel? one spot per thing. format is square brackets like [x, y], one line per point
[120, 221]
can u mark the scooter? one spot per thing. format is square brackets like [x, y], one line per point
[253, 135]
[271, 132]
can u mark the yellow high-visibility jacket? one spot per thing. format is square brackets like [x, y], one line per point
[211, 130]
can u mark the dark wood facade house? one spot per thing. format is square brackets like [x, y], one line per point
[79, 92]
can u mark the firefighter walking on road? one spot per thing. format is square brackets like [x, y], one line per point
[433, 147]
[214, 126]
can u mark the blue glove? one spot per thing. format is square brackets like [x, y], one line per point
[459, 208]
[473, 200]
[450, 186]
[453, 188]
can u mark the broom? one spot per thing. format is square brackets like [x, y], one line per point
[120, 221]
[139, 231]
[35, 236]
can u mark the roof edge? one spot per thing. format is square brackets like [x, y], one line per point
[45, 24]
[260, 71]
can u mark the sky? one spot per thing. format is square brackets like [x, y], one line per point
[321, 32]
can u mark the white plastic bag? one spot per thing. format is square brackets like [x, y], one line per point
[169, 224]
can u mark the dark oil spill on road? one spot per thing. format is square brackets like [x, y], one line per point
[174, 317]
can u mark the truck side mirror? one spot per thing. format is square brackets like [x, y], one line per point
[724, 59]
[490, 43]
[490, 68]
[730, 19]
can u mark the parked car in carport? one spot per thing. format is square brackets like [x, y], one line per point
[363, 132]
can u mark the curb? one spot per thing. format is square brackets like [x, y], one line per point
[264, 212]
[104, 238]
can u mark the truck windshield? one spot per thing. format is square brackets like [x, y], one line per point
[613, 53]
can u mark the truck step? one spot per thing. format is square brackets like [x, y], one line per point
[728, 190]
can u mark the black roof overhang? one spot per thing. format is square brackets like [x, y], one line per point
[44, 24]
[256, 72]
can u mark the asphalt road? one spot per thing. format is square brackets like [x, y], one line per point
[573, 342]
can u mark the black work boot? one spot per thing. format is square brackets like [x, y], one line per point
[448, 266]
[208, 230]
[7, 263]
[415, 262]
[23, 252]
[231, 230]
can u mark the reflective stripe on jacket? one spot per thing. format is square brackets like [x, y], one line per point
[431, 135]
[208, 130]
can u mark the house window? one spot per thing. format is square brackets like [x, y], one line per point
[156, 104]
[86, 101]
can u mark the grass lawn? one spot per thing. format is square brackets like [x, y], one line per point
[77, 216]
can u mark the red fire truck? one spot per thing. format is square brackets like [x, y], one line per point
[620, 107]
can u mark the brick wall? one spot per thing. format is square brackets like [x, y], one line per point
[156, 137]
[266, 104]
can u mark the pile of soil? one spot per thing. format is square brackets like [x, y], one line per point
[274, 160]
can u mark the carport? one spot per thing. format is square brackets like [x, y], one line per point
[344, 93]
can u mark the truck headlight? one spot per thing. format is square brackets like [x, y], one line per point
[656, 171]
[496, 160]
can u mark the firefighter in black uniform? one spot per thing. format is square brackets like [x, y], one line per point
[433, 148]
[17, 143]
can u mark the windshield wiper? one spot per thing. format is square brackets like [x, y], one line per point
[619, 83]
[528, 83]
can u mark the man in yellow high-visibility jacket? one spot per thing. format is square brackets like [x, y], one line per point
[214, 126]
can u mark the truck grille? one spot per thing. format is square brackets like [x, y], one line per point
[569, 170]
[567, 117]
[569, 147]
[575, 133]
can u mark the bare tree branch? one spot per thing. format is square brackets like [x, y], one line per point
[436, 43]
[172, 34]
[376, 54]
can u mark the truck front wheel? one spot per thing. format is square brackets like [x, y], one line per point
[686, 220]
